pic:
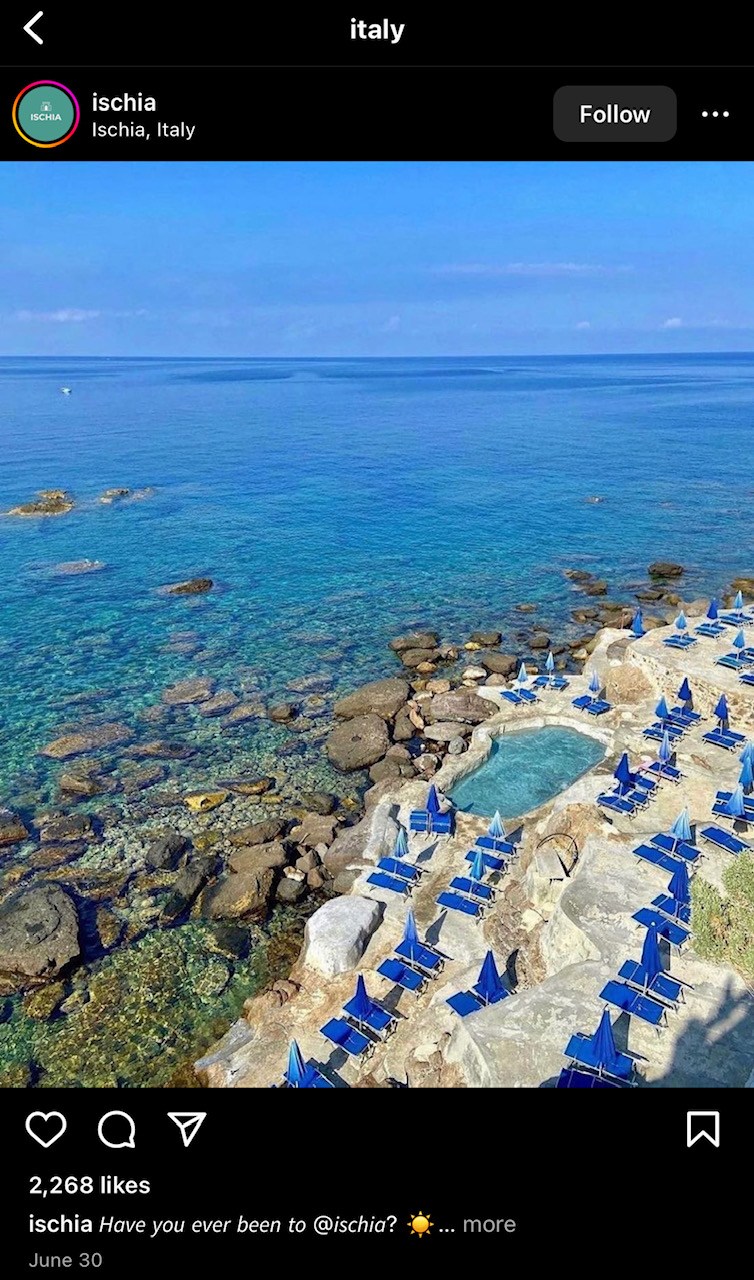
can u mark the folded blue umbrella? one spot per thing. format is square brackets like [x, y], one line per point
[360, 1005]
[637, 624]
[721, 710]
[477, 868]
[594, 684]
[662, 711]
[665, 750]
[410, 933]
[712, 611]
[496, 828]
[739, 640]
[489, 985]
[522, 678]
[623, 772]
[401, 844]
[738, 603]
[684, 693]
[603, 1042]
[678, 887]
[433, 800]
[681, 828]
[550, 662]
[746, 776]
[680, 623]
[748, 753]
[650, 953]
[299, 1074]
[736, 806]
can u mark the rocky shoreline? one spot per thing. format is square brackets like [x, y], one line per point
[129, 855]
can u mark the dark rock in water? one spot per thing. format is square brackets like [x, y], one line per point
[525, 608]
[665, 569]
[12, 829]
[540, 640]
[596, 588]
[41, 1002]
[187, 692]
[382, 697]
[192, 587]
[83, 783]
[403, 729]
[357, 743]
[486, 637]
[248, 786]
[165, 850]
[281, 712]
[113, 495]
[272, 855]
[160, 750]
[55, 855]
[319, 801]
[109, 928]
[245, 894]
[140, 777]
[587, 614]
[76, 826]
[649, 593]
[460, 704]
[577, 575]
[223, 701]
[39, 937]
[194, 876]
[414, 658]
[74, 568]
[231, 940]
[48, 502]
[290, 889]
[499, 664]
[243, 712]
[86, 739]
[416, 640]
[258, 833]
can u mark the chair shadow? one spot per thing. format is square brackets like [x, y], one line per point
[434, 930]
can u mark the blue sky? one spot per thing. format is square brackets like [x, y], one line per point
[327, 259]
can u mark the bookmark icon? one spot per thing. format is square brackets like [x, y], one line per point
[189, 1123]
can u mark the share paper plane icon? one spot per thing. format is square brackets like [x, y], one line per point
[189, 1123]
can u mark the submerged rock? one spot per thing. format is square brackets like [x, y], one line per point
[258, 832]
[597, 587]
[221, 702]
[485, 638]
[419, 658]
[540, 640]
[205, 801]
[248, 786]
[48, 502]
[336, 936]
[71, 827]
[319, 801]
[187, 692]
[165, 850]
[415, 640]
[357, 743]
[281, 712]
[665, 569]
[194, 876]
[192, 587]
[382, 697]
[39, 936]
[113, 495]
[12, 829]
[72, 568]
[87, 739]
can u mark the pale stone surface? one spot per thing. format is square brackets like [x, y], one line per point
[337, 934]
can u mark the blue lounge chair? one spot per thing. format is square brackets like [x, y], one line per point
[710, 629]
[384, 881]
[633, 1002]
[661, 985]
[747, 677]
[676, 934]
[464, 1003]
[377, 1019]
[502, 994]
[678, 911]
[580, 1048]
[420, 955]
[724, 738]
[661, 769]
[454, 902]
[684, 641]
[347, 1037]
[314, 1080]
[617, 804]
[733, 661]
[582, 702]
[419, 820]
[650, 785]
[495, 846]
[550, 682]
[403, 870]
[723, 796]
[636, 796]
[442, 824]
[683, 713]
[659, 728]
[598, 707]
[676, 848]
[526, 695]
[725, 840]
[648, 853]
[511, 695]
[491, 863]
[466, 885]
[570, 1078]
[719, 811]
[402, 975]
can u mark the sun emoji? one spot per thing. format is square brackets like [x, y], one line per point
[420, 1224]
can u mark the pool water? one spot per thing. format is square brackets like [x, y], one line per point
[525, 769]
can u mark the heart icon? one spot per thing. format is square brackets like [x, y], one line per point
[45, 1127]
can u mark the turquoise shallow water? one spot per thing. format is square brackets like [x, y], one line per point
[525, 769]
[336, 503]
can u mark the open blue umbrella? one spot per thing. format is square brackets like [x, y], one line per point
[746, 776]
[496, 828]
[603, 1042]
[735, 807]
[738, 603]
[595, 684]
[433, 800]
[637, 623]
[550, 662]
[650, 954]
[712, 611]
[522, 678]
[410, 933]
[489, 985]
[721, 710]
[684, 693]
[680, 623]
[297, 1072]
[679, 885]
[401, 844]
[665, 750]
[623, 771]
[681, 828]
[662, 710]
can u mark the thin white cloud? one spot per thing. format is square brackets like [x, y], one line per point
[391, 325]
[543, 270]
[584, 324]
[76, 315]
[675, 322]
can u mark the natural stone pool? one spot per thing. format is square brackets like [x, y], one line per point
[525, 769]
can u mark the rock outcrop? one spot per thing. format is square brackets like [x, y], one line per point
[336, 936]
[380, 697]
[357, 743]
[39, 936]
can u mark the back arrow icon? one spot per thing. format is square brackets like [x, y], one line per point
[30, 24]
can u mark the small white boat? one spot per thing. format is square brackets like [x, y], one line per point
[66, 391]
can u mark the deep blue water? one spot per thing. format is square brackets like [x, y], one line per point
[336, 503]
[525, 769]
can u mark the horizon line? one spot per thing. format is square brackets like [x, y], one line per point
[499, 355]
